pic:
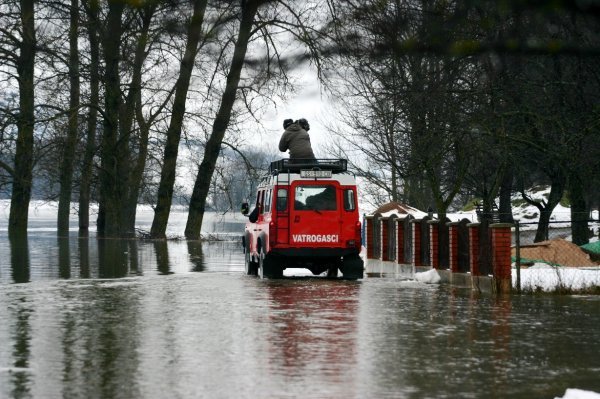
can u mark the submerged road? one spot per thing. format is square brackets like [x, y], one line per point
[183, 321]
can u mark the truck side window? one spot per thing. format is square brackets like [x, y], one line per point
[282, 196]
[260, 201]
[268, 201]
[349, 203]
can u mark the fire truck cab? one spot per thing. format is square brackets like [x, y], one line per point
[305, 216]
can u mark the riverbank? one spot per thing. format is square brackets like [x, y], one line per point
[215, 226]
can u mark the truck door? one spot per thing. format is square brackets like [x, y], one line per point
[315, 214]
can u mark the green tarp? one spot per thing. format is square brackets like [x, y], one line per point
[592, 247]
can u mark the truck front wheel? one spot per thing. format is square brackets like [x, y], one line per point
[267, 267]
[250, 266]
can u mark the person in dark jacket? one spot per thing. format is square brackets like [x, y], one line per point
[295, 138]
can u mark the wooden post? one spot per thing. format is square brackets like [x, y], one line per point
[501, 238]
[385, 239]
[416, 242]
[399, 241]
[434, 229]
[369, 236]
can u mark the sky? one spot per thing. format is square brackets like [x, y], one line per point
[309, 102]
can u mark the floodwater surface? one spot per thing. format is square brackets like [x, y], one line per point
[88, 318]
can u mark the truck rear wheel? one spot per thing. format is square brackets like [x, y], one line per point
[352, 267]
[332, 272]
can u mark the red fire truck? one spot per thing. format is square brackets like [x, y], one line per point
[305, 216]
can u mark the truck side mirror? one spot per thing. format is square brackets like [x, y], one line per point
[245, 208]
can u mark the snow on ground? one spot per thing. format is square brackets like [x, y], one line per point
[540, 277]
[572, 393]
[544, 277]
[428, 277]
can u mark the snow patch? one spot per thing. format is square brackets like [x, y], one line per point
[428, 277]
[549, 278]
[573, 393]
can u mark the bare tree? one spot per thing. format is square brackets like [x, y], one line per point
[22, 54]
[68, 157]
[85, 183]
[165, 188]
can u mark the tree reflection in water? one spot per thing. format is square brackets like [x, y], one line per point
[84, 257]
[196, 255]
[19, 258]
[64, 257]
[161, 249]
[113, 259]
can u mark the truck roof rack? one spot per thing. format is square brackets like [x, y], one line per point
[295, 165]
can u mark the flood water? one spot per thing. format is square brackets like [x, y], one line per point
[88, 318]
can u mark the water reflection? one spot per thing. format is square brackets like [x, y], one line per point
[313, 328]
[84, 256]
[227, 335]
[134, 264]
[21, 336]
[196, 255]
[43, 256]
[64, 258]
[113, 258]
[19, 258]
[161, 250]
[97, 343]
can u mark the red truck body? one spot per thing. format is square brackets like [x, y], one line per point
[305, 216]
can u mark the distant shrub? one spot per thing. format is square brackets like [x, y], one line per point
[471, 204]
[519, 202]
[564, 201]
[532, 216]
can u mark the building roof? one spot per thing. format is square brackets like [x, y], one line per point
[396, 208]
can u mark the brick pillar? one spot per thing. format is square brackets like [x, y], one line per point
[399, 241]
[434, 243]
[453, 244]
[385, 239]
[416, 242]
[501, 240]
[369, 239]
[474, 248]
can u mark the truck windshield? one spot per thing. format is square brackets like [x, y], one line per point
[316, 198]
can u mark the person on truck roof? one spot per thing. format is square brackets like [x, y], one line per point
[295, 138]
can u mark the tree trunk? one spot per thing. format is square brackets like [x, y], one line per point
[90, 145]
[66, 169]
[543, 226]
[130, 187]
[556, 192]
[213, 146]
[167, 175]
[21, 187]
[109, 173]
[138, 170]
[579, 216]
[505, 205]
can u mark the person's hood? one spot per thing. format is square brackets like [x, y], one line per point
[294, 127]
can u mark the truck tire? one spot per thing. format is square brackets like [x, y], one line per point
[250, 266]
[352, 267]
[267, 267]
